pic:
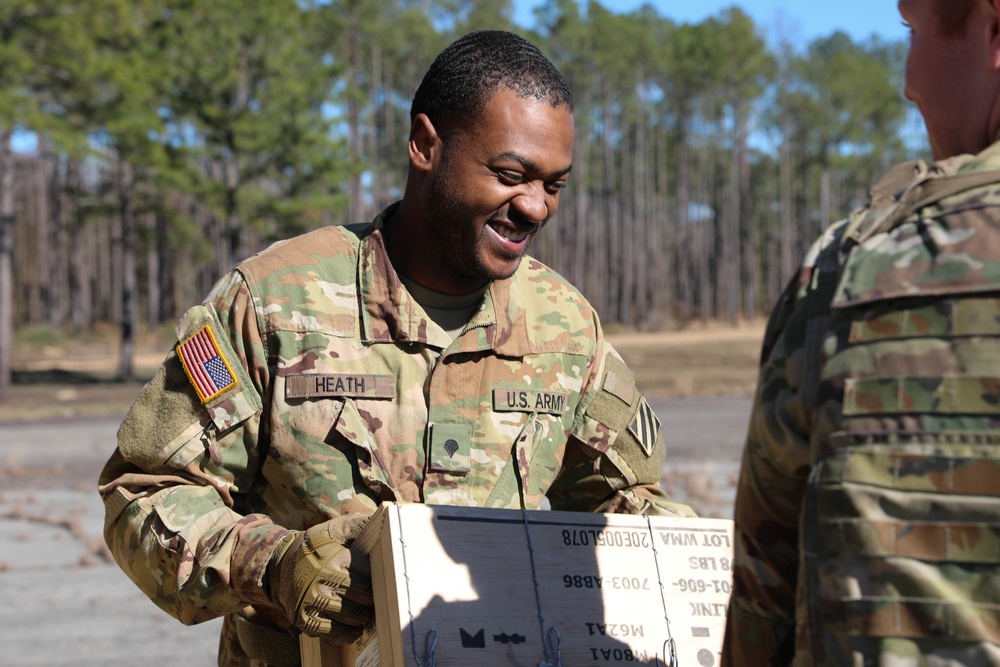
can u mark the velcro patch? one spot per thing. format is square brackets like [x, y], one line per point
[345, 385]
[645, 427]
[618, 386]
[206, 367]
[450, 448]
[530, 400]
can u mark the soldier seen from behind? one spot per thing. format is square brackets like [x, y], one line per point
[868, 506]
[422, 357]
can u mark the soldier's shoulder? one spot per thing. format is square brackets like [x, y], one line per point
[983, 195]
[825, 253]
[307, 283]
[326, 246]
[814, 279]
[943, 246]
[807, 295]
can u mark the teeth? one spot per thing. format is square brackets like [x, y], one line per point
[515, 237]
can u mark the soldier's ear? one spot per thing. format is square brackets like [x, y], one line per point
[424, 146]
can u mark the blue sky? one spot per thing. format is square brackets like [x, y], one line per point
[800, 21]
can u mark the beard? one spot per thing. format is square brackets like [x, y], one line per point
[462, 239]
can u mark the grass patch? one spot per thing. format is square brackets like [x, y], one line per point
[40, 337]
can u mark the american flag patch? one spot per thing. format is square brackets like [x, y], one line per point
[645, 426]
[205, 366]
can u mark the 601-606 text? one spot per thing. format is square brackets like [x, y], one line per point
[703, 586]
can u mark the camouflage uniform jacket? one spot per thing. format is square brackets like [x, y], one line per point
[310, 384]
[867, 511]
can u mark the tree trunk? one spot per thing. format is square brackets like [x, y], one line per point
[111, 291]
[129, 291]
[371, 155]
[825, 198]
[59, 308]
[580, 273]
[6, 263]
[154, 272]
[80, 294]
[642, 250]
[748, 230]
[41, 299]
[608, 227]
[787, 241]
[388, 138]
[706, 239]
[355, 205]
[729, 256]
[233, 233]
[664, 287]
[625, 228]
[685, 247]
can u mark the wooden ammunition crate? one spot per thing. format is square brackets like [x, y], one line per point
[494, 588]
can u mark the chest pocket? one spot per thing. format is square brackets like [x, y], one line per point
[337, 467]
[902, 510]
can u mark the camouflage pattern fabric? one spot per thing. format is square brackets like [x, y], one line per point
[325, 390]
[867, 512]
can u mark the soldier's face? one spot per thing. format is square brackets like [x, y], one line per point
[952, 78]
[497, 183]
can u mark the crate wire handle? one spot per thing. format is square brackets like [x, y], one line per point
[669, 649]
[669, 646]
[551, 639]
[431, 638]
[555, 645]
[430, 643]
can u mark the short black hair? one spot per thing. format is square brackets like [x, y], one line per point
[465, 75]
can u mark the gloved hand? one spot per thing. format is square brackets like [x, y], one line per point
[321, 585]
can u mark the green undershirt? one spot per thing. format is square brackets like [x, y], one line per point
[451, 312]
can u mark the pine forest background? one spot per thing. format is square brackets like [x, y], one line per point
[168, 139]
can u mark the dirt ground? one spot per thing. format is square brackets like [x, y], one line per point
[699, 361]
[66, 604]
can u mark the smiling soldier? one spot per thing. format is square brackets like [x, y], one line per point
[423, 357]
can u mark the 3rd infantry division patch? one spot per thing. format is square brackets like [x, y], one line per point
[205, 366]
[645, 426]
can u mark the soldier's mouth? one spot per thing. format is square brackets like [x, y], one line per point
[508, 234]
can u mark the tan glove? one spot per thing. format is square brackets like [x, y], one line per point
[321, 585]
